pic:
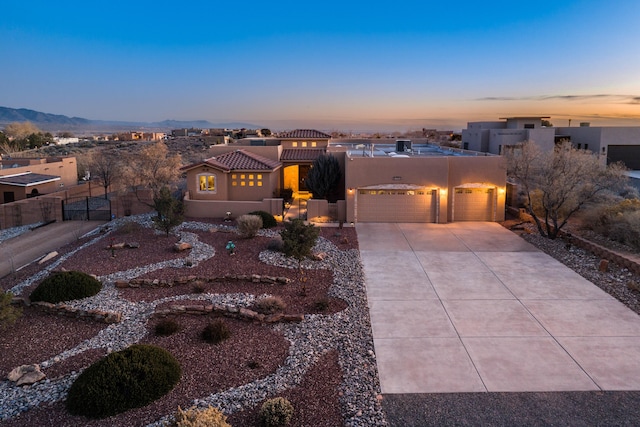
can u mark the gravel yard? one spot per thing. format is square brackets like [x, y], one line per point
[325, 364]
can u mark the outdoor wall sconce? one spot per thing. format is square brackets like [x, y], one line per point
[350, 190]
[443, 192]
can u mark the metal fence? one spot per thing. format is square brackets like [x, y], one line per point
[86, 208]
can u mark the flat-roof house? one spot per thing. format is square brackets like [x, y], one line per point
[424, 183]
[21, 178]
[491, 137]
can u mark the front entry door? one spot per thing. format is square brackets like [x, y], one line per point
[303, 171]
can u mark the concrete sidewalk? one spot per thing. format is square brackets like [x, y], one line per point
[28, 247]
[471, 307]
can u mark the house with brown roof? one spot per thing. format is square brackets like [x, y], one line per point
[237, 181]
[424, 183]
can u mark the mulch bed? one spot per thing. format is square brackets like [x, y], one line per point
[253, 351]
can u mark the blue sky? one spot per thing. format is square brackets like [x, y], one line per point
[329, 65]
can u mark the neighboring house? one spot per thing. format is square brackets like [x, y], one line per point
[490, 137]
[21, 178]
[612, 143]
[424, 183]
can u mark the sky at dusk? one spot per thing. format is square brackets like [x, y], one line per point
[329, 65]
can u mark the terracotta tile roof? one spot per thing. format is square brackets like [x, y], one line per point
[301, 154]
[238, 160]
[304, 133]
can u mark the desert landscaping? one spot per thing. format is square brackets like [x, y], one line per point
[317, 352]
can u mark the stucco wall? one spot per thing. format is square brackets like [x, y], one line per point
[219, 208]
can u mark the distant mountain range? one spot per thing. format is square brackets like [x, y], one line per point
[58, 122]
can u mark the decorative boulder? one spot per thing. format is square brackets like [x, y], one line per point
[26, 375]
[182, 246]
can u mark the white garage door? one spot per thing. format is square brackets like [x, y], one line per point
[473, 204]
[389, 205]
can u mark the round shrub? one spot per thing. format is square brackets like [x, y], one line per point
[209, 417]
[127, 379]
[268, 220]
[66, 286]
[270, 305]
[166, 327]
[215, 332]
[248, 225]
[276, 412]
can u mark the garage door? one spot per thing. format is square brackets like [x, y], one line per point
[627, 154]
[389, 205]
[473, 204]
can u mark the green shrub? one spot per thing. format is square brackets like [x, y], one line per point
[66, 286]
[276, 244]
[215, 332]
[167, 327]
[8, 313]
[321, 304]
[270, 305]
[194, 417]
[298, 238]
[248, 225]
[127, 379]
[276, 412]
[199, 288]
[268, 220]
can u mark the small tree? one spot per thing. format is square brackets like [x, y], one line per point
[8, 313]
[298, 240]
[324, 176]
[169, 211]
[107, 167]
[153, 168]
[558, 183]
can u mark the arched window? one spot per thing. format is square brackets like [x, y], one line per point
[207, 183]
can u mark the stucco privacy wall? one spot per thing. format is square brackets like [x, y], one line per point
[218, 209]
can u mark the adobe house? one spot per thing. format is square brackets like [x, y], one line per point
[21, 178]
[428, 184]
[238, 181]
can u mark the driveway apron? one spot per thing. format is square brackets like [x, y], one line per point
[472, 307]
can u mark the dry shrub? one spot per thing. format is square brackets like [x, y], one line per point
[248, 225]
[194, 417]
[215, 332]
[619, 222]
[270, 305]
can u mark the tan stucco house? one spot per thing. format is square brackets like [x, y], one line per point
[431, 184]
[21, 178]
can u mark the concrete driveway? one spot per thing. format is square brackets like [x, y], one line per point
[471, 307]
[28, 247]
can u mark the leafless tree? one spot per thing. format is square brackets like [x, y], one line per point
[19, 130]
[107, 167]
[153, 168]
[558, 183]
